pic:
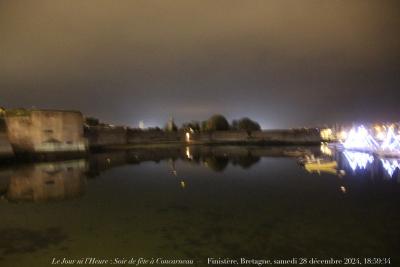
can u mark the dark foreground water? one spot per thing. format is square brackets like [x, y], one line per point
[197, 203]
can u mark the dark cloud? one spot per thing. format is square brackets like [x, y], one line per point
[285, 63]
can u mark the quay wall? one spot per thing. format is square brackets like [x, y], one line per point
[6, 150]
[292, 136]
[220, 136]
[288, 136]
[153, 136]
[99, 136]
[48, 133]
[45, 131]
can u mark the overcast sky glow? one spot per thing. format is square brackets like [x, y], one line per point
[283, 63]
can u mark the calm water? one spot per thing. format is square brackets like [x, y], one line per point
[199, 202]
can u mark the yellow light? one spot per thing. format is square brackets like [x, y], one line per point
[326, 134]
[343, 135]
[325, 149]
[187, 137]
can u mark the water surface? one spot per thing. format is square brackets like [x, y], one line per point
[198, 202]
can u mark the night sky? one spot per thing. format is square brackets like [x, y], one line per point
[282, 63]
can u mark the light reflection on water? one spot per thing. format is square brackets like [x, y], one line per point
[198, 202]
[50, 181]
[390, 165]
[47, 181]
[356, 161]
[363, 161]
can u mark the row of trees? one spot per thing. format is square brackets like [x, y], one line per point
[220, 123]
[216, 122]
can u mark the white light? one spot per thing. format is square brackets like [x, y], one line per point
[358, 159]
[390, 165]
[380, 136]
[343, 189]
[187, 137]
[343, 135]
[360, 139]
[392, 141]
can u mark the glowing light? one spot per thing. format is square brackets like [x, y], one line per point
[358, 159]
[360, 139]
[343, 135]
[392, 141]
[343, 189]
[187, 137]
[326, 134]
[183, 184]
[141, 125]
[390, 165]
[386, 141]
[188, 154]
[380, 136]
[325, 149]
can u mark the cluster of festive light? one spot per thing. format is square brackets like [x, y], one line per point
[360, 139]
[358, 159]
[391, 142]
[361, 160]
[390, 165]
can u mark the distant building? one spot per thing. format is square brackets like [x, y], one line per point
[171, 126]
